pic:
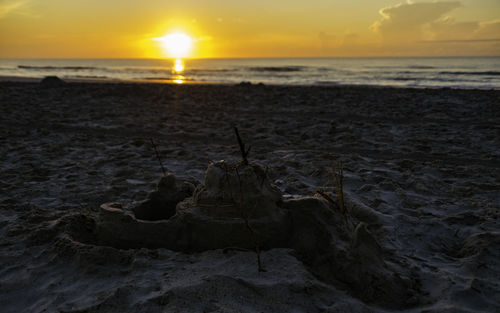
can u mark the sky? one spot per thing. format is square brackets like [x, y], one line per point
[257, 28]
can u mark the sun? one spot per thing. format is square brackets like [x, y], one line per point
[176, 45]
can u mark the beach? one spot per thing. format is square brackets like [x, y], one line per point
[424, 162]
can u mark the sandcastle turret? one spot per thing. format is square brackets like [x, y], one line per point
[234, 190]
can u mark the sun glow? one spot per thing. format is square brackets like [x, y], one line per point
[176, 45]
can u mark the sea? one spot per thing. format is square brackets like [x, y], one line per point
[451, 72]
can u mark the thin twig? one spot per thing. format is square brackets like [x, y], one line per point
[326, 196]
[338, 180]
[256, 243]
[158, 156]
[253, 234]
[244, 153]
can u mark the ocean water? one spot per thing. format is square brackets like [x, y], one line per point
[470, 72]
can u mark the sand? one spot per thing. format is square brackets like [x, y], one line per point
[421, 185]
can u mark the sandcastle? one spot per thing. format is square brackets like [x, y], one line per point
[215, 215]
[238, 207]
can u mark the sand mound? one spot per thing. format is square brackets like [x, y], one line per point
[235, 190]
[343, 251]
[160, 203]
[52, 81]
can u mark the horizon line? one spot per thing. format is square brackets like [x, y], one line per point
[242, 58]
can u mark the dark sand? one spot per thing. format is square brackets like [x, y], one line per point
[426, 159]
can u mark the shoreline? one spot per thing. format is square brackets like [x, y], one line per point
[21, 79]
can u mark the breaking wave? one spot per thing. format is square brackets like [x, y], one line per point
[277, 68]
[43, 68]
[485, 73]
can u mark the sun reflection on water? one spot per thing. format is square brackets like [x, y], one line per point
[179, 79]
[178, 66]
[178, 69]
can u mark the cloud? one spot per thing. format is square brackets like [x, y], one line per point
[448, 29]
[426, 28]
[406, 21]
[8, 7]
[460, 41]
[465, 38]
[488, 30]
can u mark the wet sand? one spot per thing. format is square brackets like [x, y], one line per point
[425, 159]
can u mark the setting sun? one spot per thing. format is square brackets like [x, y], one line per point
[177, 45]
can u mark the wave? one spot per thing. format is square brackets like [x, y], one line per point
[324, 69]
[199, 70]
[421, 67]
[277, 68]
[165, 71]
[42, 68]
[89, 76]
[157, 78]
[486, 73]
[411, 67]
[405, 78]
[428, 79]
[326, 83]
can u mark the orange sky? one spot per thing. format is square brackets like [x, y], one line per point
[223, 28]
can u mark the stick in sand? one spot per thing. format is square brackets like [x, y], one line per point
[244, 153]
[158, 156]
